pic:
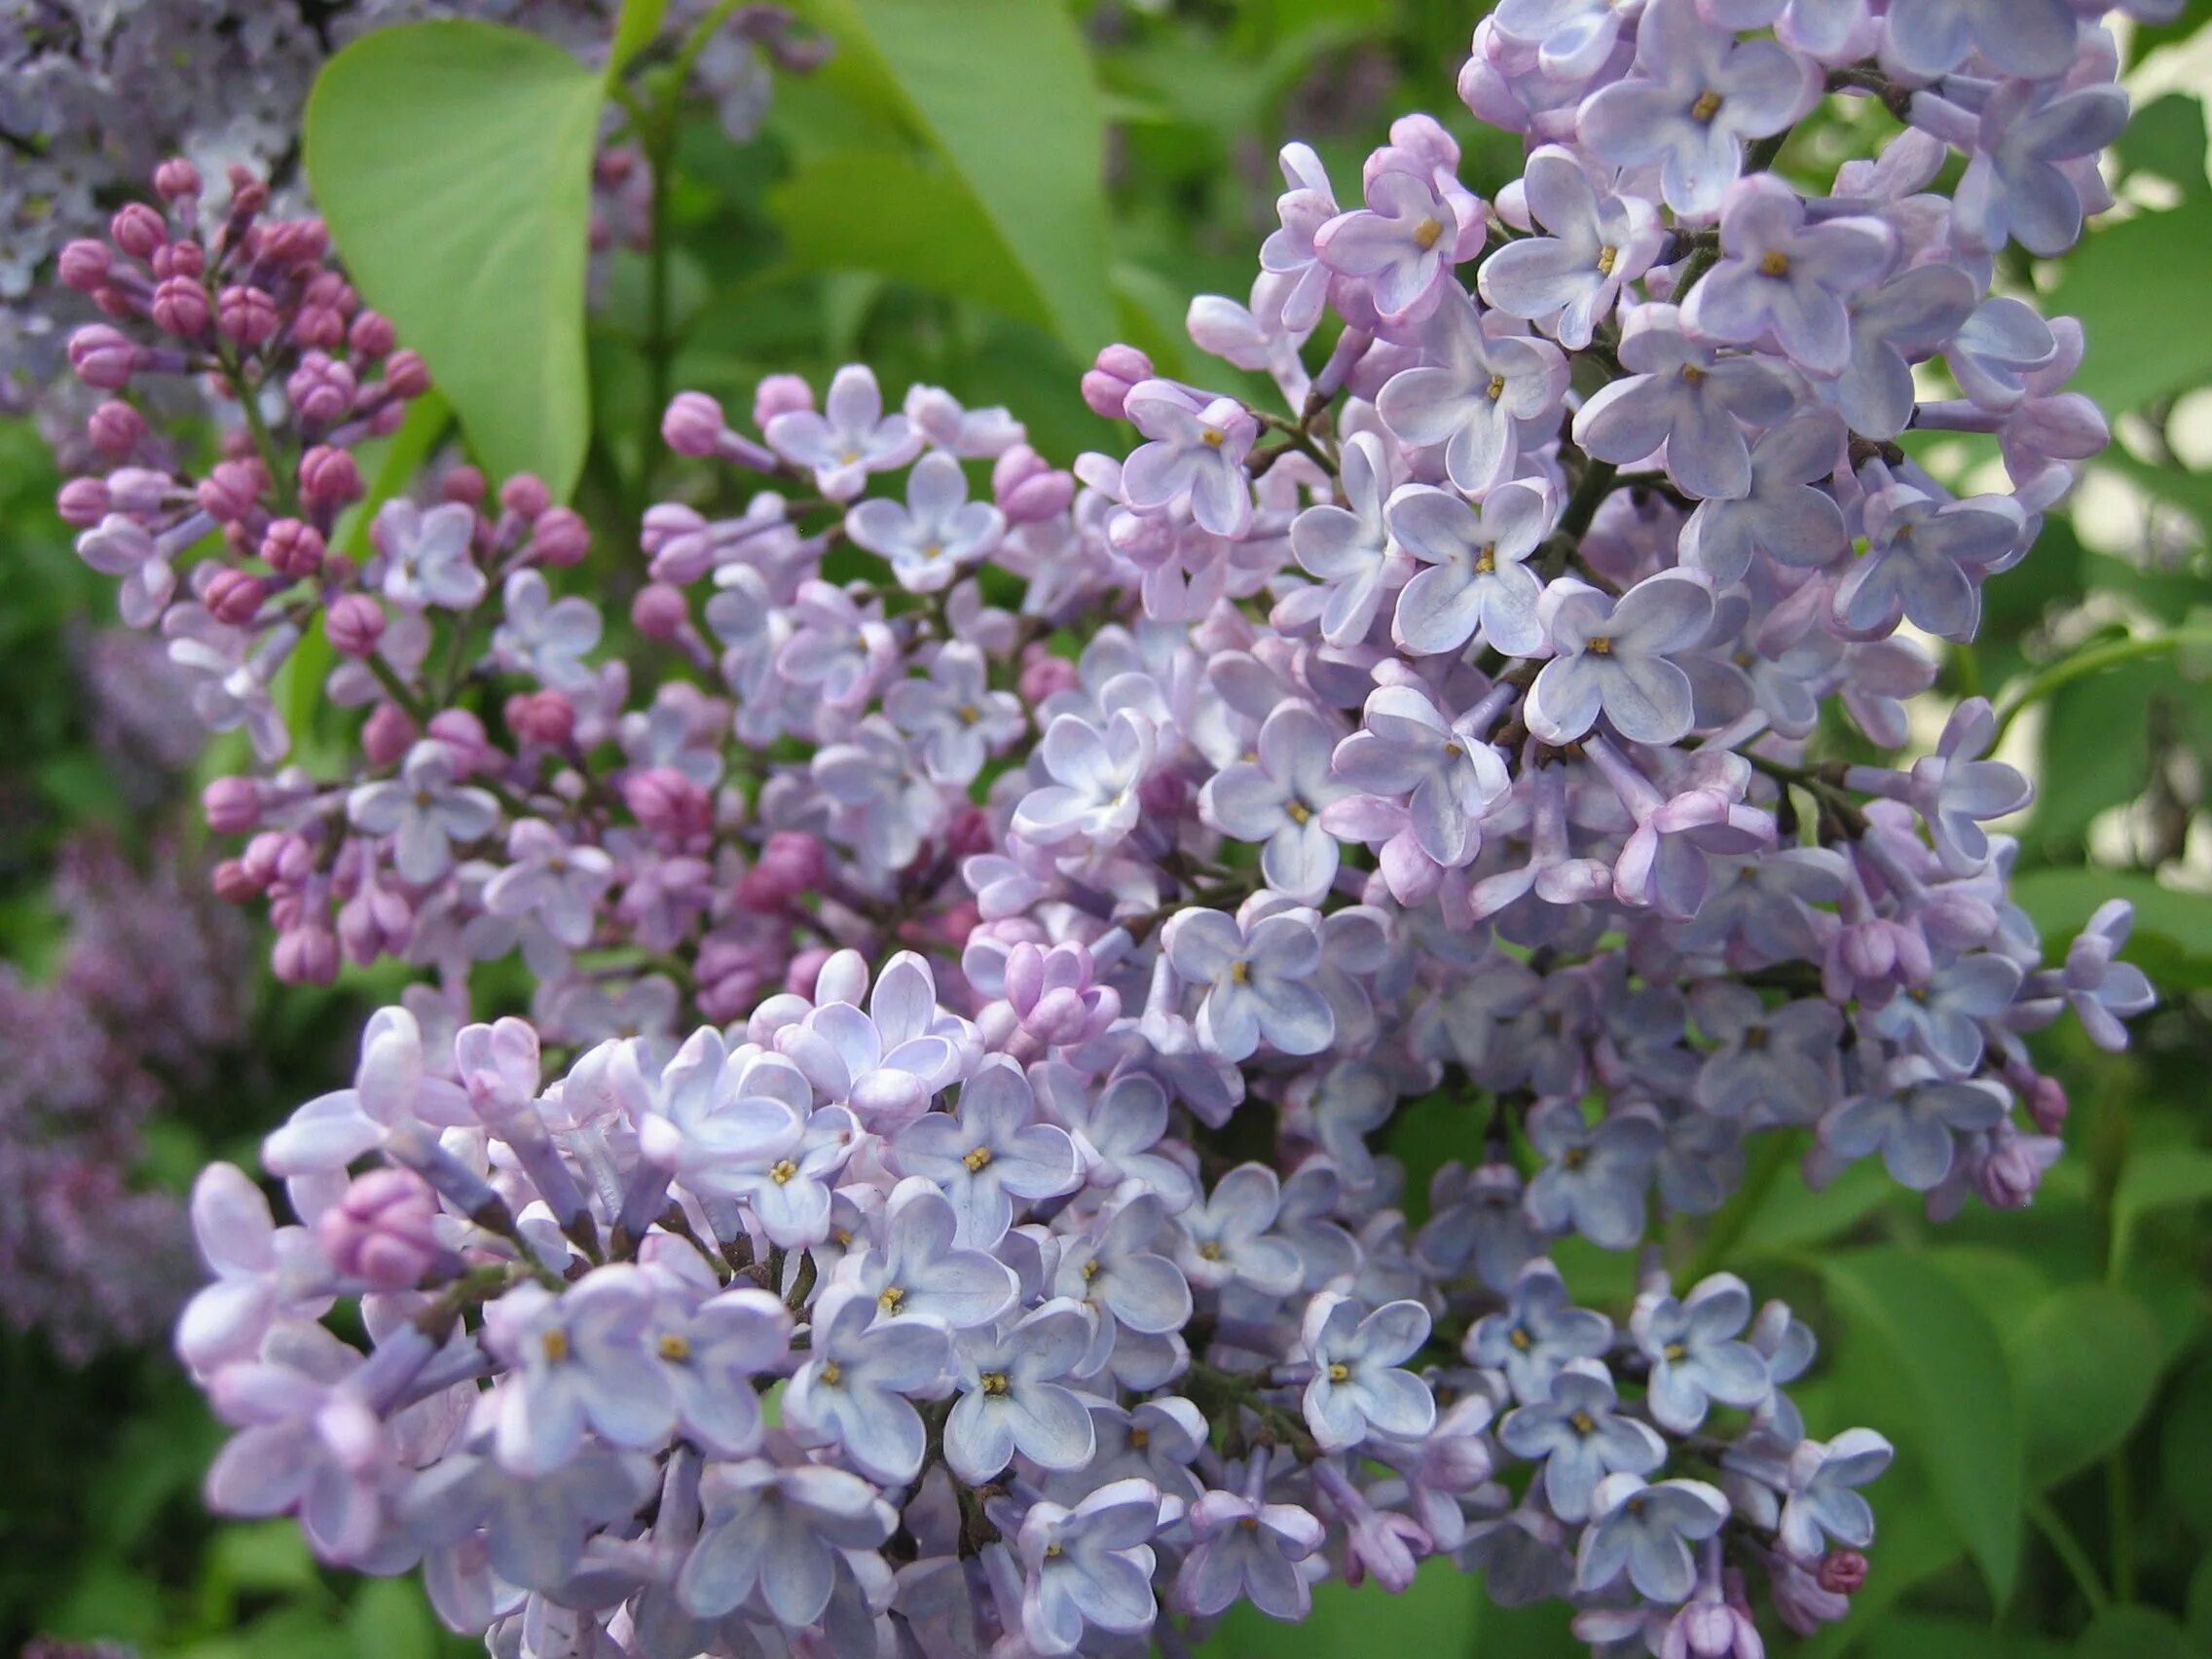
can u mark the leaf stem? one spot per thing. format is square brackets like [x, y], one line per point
[2069, 1551]
[2097, 658]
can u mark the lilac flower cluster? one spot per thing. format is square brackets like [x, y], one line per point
[960, 1213]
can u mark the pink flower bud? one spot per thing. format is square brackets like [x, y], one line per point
[247, 314]
[1044, 676]
[463, 484]
[274, 855]
[232, 805]
[84, 265]
[1106, 385]
[229, 490]
[406, 374]
[180, 259]
[249, 194]
[295, 242]
[560, 537]
[138, 230]
[541, 717]
[792, 863]
[693, 424]
[386, 734]
[294, 550]
[1842, 1572]
[329, 477]
[306, 956]
[233, 883]
[383, 1232]
[355, 622]
[115, 428]
[321, 389]
[102, 357]
[234, 597]
[780, 395]
[181, 307]
[1029, 489]
[2047, 1104]
[525, 494]
[372, 334]
[660, 611]
[81, 501]
[668, 803]
[319, 327]
[177, 178]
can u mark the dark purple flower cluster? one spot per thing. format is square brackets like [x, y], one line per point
[959, 1216]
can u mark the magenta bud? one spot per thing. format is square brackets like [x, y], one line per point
[463, 484]
[969, 832]
[81, 501]
[234, 597]
[1842, 1572]
[232, 805]
[138, 230]
[102, 358]
[779, 394]
[250, 193]
[1041, 495]
[177, 178]
[306, 956]
[1106, 385]
[1044, 675]
[233, 883]
[792, 863]
[274, 855]
[181, 307]
[2047, 1104]
[115, 428]
[84, 263]
[386, 734]
[526, 494]
[247, 314]
[668, 803]
[406, 374]
[466, 739]
[354, 623]
[294, 550]
[383, 1232]
[320, 327]
[541, 717]
[693, 424]
[660, 611]
[229, 491]
[560, 537]
[180, 259]
[295, 242]
[321, 389]
[371, 334]
[329, 477]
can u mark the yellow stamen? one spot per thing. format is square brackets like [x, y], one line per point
[1339, 1372]
[1297, 811]
[994, 1383]
[1582, 1423]
[1774, 263]
[1209, 1251]
[1600, 646]
[1426, 234]
[1214, 438]
[1708, 107]
[555, 1345]
[1497, 387]
[1486, 560]
[1606, 258]
[675, 1347]
[782, 1170]
[1241, 973]
[890, 1299]
[979, 1159]
[832, 1373]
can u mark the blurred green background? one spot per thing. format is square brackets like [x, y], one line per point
[976, 195]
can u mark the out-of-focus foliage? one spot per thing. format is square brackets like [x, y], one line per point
[978, 193]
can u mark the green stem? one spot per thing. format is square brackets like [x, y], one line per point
[410, 705]
[281, 476]
[2097, 658]
[1729, 1228]
[1597, 482]
[2069, 1551]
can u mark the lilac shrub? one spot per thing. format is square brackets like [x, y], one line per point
[941, 1196]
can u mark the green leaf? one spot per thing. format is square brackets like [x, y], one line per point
[262, 1556]
[2086, 1360]
[634, 31]
[452, 162]
[1001, 90]
[1960, 1417]
[2138, 289]
[2159, 1180]
[2166, 137]
[2134, 1633]
[1435, 1614]
[391, 1620]
[919, 227]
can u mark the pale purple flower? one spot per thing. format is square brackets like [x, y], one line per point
[1288, 251]
[1359, 1387]
[1572, 38]
[1647, 1530]
[1915, 1127]
[779, 1536]
[858, 1388]
[1613, 658]
[919, 1273]
[1821, 1504]
[1117, 1130]
[1581, 1436]
[1904, 321]
[1258, 983]
[1012, 1396]
[1697, 96]
[543, 636]
[1347, 549]
[1476, 579]
[2102, 989]
[1092, 797]
[1684, 395]
[886, 805]
[1572, 278]
[1277, 799]
[1695, 1354]
[889, 1062]
[1088, 1567]
[710, 1356]
[1946, 1019]
[2029, 38]
[1448, 770]
[936, 535]
[558, 883]
[1248, 1549]
[1538, 1331]
[1196, 450]
[1777, 1060]
[1784, 277]
[424, 811]
[231, 674]
[121, 547]
[1477, 390]
[578, 1359]
[1595, 1178]
[1922, 561]
[428, 554]
[263, 1272]
[851, 438]
[954, 715]
[530, 1529]
[2017, 185]
[1956, 791]
[1783, 515]
[987, 1152]
[1229, 1236]
[1402, 244]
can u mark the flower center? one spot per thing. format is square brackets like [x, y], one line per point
[1213, 437]
[1599, 645]
[1774, 263]
[978, 1158]
[1241, 973]
[1497, 387]
[555, 1345]
[1052, 1552]
[1574, 1157]
[1486, 559]
[969, 714]
[890, 1299]
[674, 1345]
[1692, 374]
[994, 1383]
[1339, 1372]
[933, 549]
[1210, 1250]
[1582, 1423]
[833, 1374]
[1708, 107]
[1139, 1439]
[1755, 1039]
[1426, 234]
[1607, 257]
[782, 1170]
[1521, 1338]
[1677, 1352]
[1297, 811]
